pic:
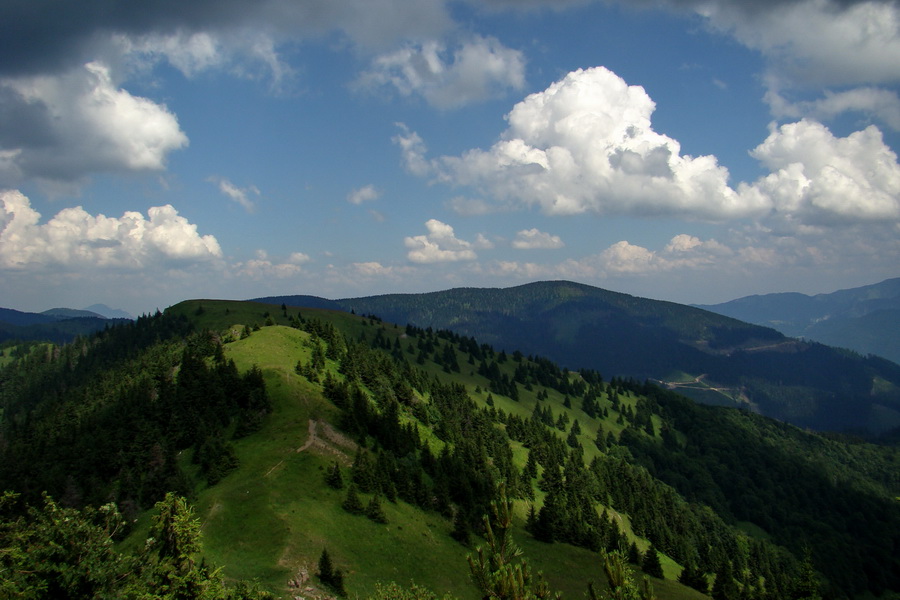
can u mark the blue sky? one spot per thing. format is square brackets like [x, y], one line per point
[685, 150]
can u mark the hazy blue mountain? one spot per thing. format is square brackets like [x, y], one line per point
[58, 325]
[865, 319]
[110, 313]
[714, 358]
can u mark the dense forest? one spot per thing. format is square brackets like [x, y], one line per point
[448, 426]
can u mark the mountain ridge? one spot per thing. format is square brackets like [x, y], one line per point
[862, 319]
[581, 326]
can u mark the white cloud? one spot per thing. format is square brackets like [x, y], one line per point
[412, 151]
[529, 239]
[586, 145]
[298, 258]
[820, 179]
[74, 238]
[482, 243]
[478, 69]
[818, 42]
[246, 53]
[81, 123]
[877, 103]
[241, 196]
[262, 267]
[367, 193]
[440, 244]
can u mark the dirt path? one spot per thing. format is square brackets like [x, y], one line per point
[326, 439]
[313, 436]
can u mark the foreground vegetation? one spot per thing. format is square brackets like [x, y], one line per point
[297, 432]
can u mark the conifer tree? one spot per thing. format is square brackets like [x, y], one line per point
[650, 564]
[498, 569]
[460, 531]
[352, 504]
[806, 584]
[375, 512]
[634, 555]
[333, 477]
[693, 577]
[329, 575]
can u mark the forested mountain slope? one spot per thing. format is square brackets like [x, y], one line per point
[298, 430]
[864, 319]
[55, 325]
[715, 359]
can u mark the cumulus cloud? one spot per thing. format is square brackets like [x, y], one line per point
[586, 145]
[64, 128]
[440, 244]
[75, 238]
[479, 69]
[531, 239]
[820, 179]
[241, 196]
[367, 193]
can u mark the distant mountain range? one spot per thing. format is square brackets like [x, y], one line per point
[865, 319]
[57, 324]
[711, 357]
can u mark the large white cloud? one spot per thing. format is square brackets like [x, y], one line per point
[478, 69]
[74, 238]
[820, 179]
[73, 125]
[586, 145]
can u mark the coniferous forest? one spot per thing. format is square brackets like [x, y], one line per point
[191, 451]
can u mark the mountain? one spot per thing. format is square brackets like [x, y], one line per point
[713, 358]
[296, 431]
[110, 313]
[864, 319]
[55, 325]
[61, 314]
[19, 318]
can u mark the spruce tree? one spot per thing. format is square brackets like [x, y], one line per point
[634, 555]
[333, 477]
[329, 575]
[325, 572]
[352, 504]
[375, 512]
[651, 565]
[693, 577]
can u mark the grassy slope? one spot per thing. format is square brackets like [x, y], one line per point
[273, 515]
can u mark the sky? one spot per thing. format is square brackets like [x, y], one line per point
[686, 150]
